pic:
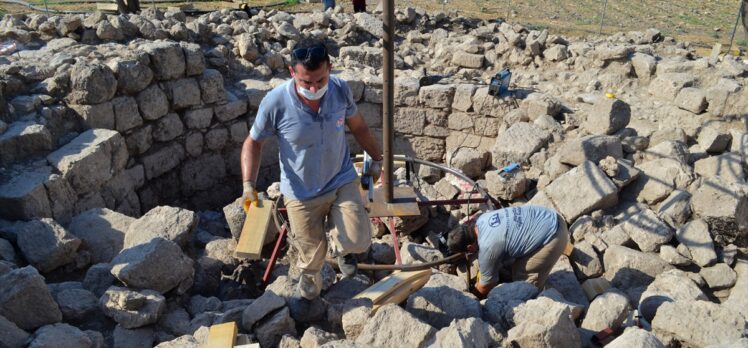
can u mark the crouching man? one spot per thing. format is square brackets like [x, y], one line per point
[532, 238]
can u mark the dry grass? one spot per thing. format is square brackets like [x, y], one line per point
[686, 20]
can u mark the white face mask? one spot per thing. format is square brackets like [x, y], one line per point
[312, 95]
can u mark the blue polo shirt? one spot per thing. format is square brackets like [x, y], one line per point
[512, 233]
[314, 156]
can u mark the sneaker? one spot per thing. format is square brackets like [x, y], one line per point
[348, 265]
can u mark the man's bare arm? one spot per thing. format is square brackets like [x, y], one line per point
[363, 136]
[250, 159]
[482, 290]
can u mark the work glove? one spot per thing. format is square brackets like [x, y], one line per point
[375, 169]
[249, 195]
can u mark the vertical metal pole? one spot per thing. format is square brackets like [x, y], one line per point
[388, 97]
[735, 27]
[602, 18]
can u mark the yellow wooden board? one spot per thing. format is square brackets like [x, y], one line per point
[106, 7]
[396, 287]
[254, 231]
[222, 335]
[401, 293]
[568, 249]
[404, 202]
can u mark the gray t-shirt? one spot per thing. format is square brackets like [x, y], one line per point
[511, 233]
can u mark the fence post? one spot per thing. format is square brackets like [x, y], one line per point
[602, 17]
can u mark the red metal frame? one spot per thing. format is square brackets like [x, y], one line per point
[391, 221]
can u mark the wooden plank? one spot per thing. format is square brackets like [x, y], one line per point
[393, 283]
[568, 249]
[222, 335]
[106, 7]
[254, 231]
[405, 202]
[401, 293]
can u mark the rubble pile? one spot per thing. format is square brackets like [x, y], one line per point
[119, 169]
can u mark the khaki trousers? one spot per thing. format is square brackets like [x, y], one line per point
[535, 267]
[342, 213]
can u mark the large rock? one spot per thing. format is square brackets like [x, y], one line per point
[162, 160]
[738, 299]
[167, 59]
[11, 336]
[270, 331]
[25, 299]
[647, 230]
[469, 332]
[91, 83]
[543, 323]
[316, 337]
[259, 308]
[698, 323]
[563, 280]
[76, 304]
[132, 309]
[727, 166]
[539, 104]
[676, 150]
[24, 139]
[627, 268]
[608, 116]
[91, 159]
[719, 276]
[170, 223]
[133, 338]
[635, 337]
[659, 178]
[152, 102]
[132, 76]
[672, 285]
[102, 232]
[518, 143]
[393, 326]
[468, 60]
[691, 99]
[582, 190]
[590, 148]
[60, 336]
[696, 238]
[158, 264]
[675, 210]
[504, 297]
[439, 306]
[25, 196]
[470, 161]
[46, 244]
[666, 86]
[507, 187]
[724, 207]
[370, 24]
[586, 261]
[607, 310]
[714, 139]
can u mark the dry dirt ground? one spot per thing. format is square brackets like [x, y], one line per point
[702, 22]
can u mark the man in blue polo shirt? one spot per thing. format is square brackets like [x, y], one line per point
[531, 237]
[308, 115]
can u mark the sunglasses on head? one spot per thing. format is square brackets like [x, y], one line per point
[310, 53]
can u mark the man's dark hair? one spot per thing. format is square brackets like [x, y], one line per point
[310, 53]
[460, 237]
